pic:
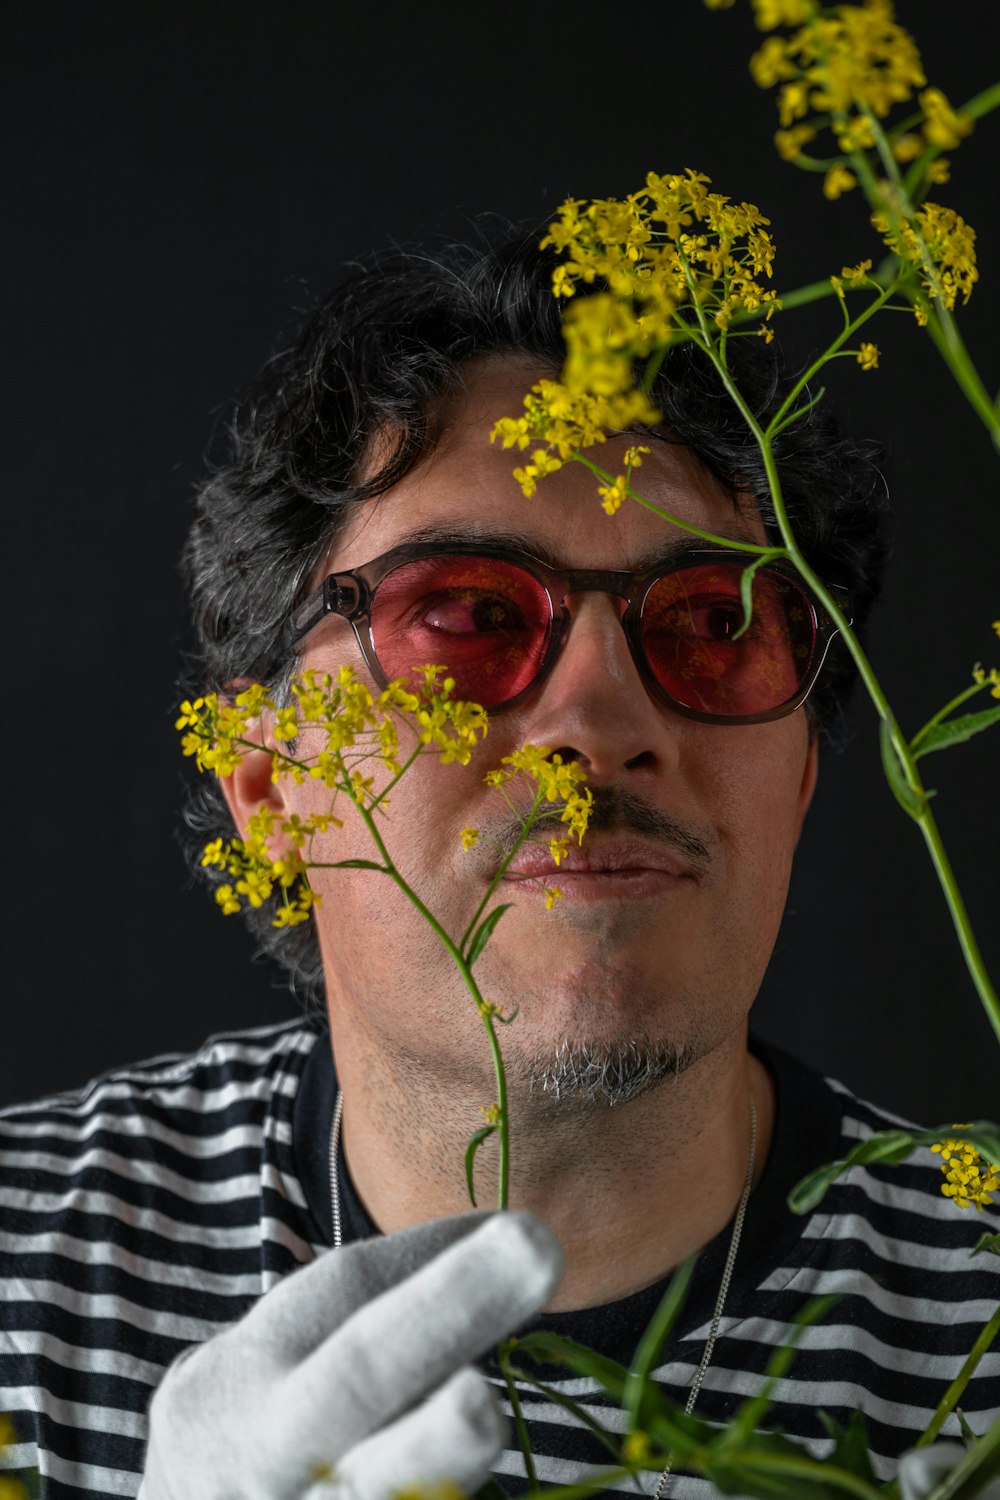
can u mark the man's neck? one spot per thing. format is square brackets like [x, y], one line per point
[631, 1189]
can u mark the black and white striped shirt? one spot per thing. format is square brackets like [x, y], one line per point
[152, 1208]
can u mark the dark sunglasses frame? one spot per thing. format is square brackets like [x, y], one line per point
[350, 595]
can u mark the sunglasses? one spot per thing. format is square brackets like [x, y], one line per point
[497, 619]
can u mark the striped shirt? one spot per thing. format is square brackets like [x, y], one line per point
[151, 1209]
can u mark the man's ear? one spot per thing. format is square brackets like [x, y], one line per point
[249, 787]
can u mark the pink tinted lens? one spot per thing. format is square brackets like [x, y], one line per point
[690, 622]
[488, 621]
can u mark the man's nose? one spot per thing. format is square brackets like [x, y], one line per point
[594, 706]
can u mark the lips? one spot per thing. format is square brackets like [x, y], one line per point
[617, 858]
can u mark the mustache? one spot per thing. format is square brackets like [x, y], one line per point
[614, 810]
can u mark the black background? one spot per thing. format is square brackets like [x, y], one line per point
[185, 179]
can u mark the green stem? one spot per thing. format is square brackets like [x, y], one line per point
[974, 961]
[907, 761]
[950, 345]
[527, 825]
[850, 328]
[458, 958]
[953, 1394]
[503, 1131]
[941, 325]
[520, 1426]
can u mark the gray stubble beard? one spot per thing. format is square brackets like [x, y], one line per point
[606, 1073]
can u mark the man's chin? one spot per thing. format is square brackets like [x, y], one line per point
[587, 1072]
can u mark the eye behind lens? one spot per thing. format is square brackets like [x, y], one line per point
[702, 656]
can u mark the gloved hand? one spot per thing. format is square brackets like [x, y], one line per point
[355, 1368]
[923, 1469]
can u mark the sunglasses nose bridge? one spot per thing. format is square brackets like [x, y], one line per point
[598, 583]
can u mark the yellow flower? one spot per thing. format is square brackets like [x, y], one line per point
[614, 494]
[789, 143]
[970, 1178]
[771, 13]
[552, 895]
[856, 275]
[469, 837]
[491, 1113]
[226, 897]
[837, 181]
[772, 63]
[867, 356]
[636, 1448]
[990, 679]
[558, 848]
[943, 126]
[190, 713]
[12, 1489]
[996, 626]
[907, 148]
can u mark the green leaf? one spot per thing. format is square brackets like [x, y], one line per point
[554, 1349]
[890, 1146]
[969, 1437]
[988, 1244]
[983, 1134]
[484, 932]
[884, 1146]
[470, 1157]
[912, 803]
[954, 731]
[851, 1448]
[357, 864]
[746, 590]
[656, 1334]
[610, 1440]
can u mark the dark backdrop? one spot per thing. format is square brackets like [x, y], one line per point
[186, 178]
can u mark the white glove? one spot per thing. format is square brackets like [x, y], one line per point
[923, 1469]
[355, 1369]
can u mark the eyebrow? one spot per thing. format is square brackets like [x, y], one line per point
[467, 533]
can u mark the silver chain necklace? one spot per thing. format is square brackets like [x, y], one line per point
[662, 1487]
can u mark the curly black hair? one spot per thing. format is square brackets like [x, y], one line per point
[377, 358]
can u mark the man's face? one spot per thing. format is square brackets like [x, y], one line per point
[657, 950]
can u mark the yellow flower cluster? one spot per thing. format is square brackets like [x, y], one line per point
[666, 258]
[554, 781]
[255, 875]
[557, 781]
[844, 64]
[355, 723]
[970, 1178]
[940, 244]
[356, 727]
[867, 356]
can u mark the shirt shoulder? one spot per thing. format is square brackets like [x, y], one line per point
[138, 1215]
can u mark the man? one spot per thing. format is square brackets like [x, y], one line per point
[151, 1212]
